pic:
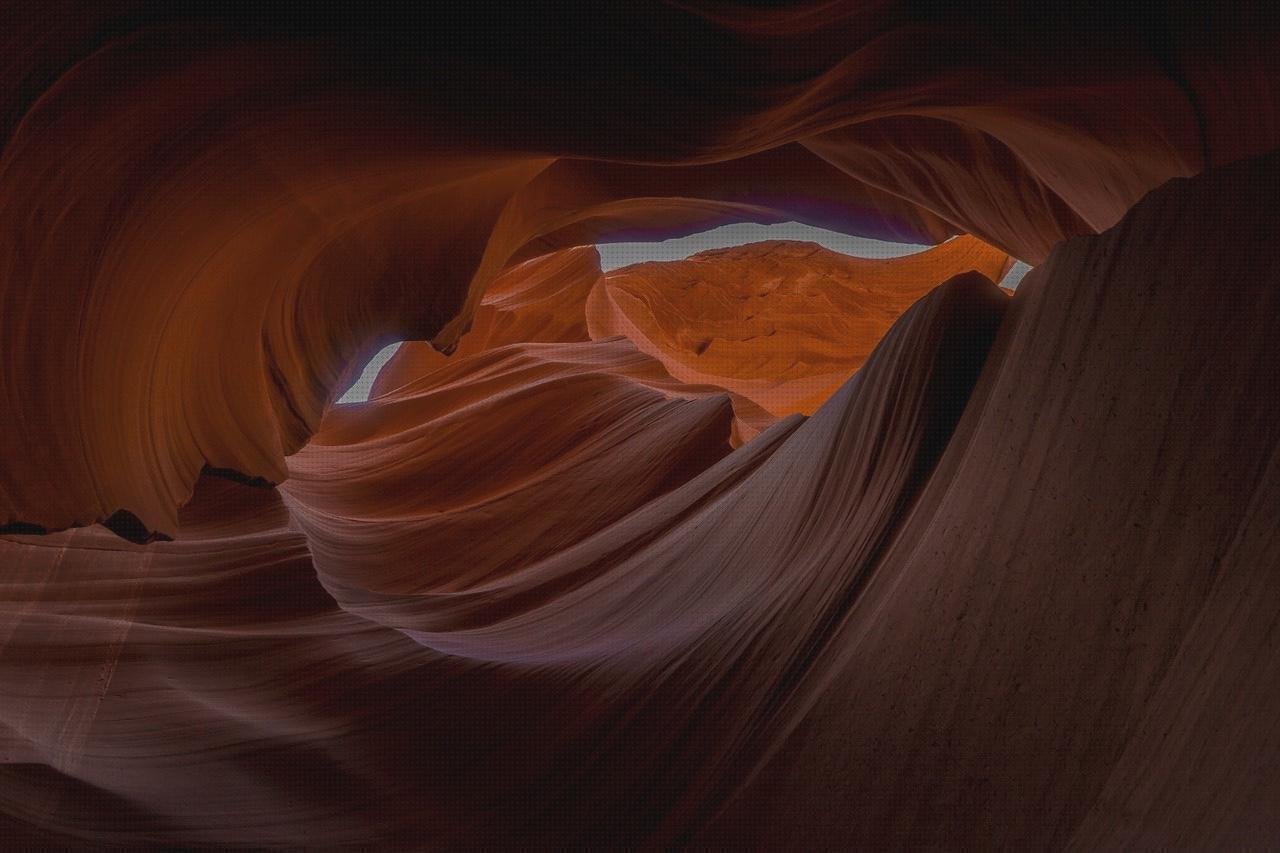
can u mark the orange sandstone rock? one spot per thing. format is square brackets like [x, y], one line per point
[784, 324]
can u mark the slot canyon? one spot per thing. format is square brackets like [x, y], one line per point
[767, 546]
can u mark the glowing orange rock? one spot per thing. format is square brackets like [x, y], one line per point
[538, 301]
[784, 324]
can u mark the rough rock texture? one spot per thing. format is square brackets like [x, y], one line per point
[1011, 585]
[782, 323]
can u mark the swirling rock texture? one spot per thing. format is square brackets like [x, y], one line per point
[767, 548]
[784, 324]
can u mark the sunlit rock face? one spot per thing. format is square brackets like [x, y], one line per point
[780, 324]
[765, 548]
[539, 301]
[784, 324]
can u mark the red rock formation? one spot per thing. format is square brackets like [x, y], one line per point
[1086, 583]
[925, 600]
[784, 324]
[613, 615]
[781, 324]
[1012, 585]
[320, 190]
[538, 301]
[505, 448]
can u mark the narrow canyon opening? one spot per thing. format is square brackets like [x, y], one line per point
[615, 256]
[647, 525]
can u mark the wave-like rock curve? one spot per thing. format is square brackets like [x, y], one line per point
[210, 212]
[892, 622]
[1011, 585]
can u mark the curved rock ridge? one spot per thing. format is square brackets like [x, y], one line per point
[1012, 585]
[1082, 599]
[563, 634]
[527, 448]
[211, 211]
[782, 323]
[892, 622]
[539, 301]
